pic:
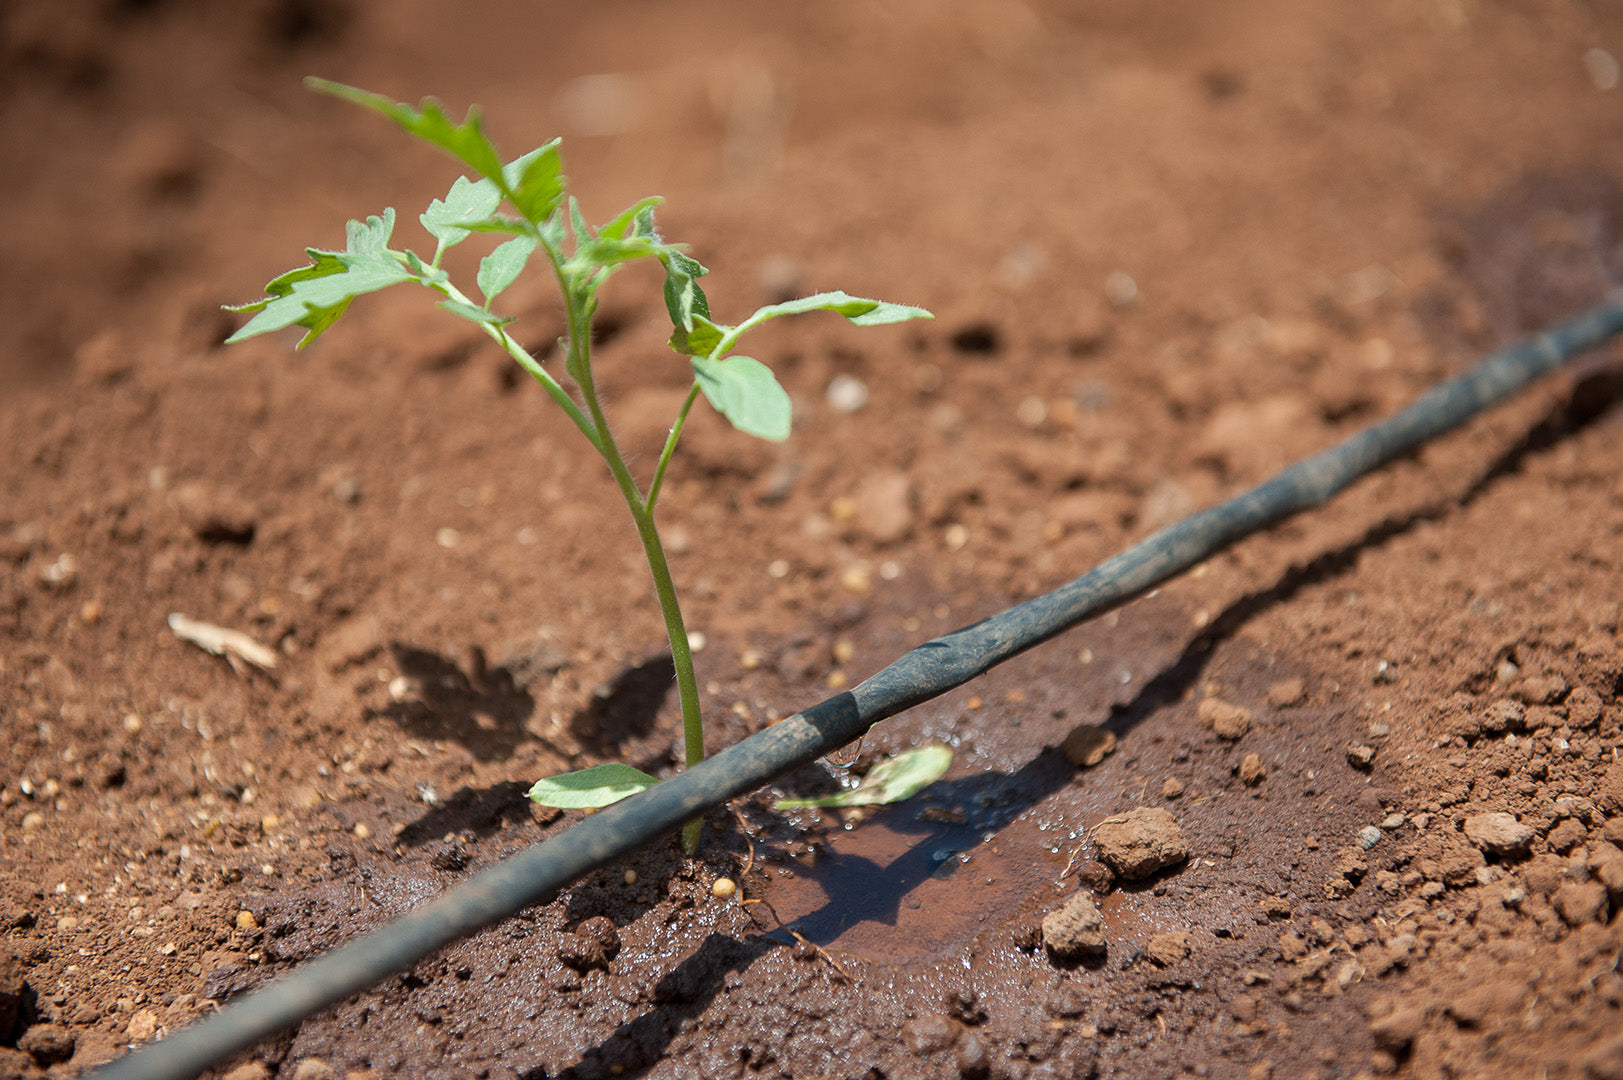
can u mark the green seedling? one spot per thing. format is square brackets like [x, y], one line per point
[890, 781]
[525, 201]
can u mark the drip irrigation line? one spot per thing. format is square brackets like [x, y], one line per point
[537, 874]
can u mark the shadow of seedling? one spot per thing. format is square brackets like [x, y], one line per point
[625, 709]
[481, 811]
[483, 708]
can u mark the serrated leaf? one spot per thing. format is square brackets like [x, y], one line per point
[603, 252]
[322, 263]
[860, 310]
[468, 200]
[370, 237]
[891, 781]
[637, 220]
[745, 391]
[700, 339]
[503, 265]
[577, 223]
[538, 186]
[683, 297]
[601, 785]
[315, 296]
[429, 122]
[315, 303]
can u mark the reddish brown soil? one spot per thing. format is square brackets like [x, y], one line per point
[1323, 209]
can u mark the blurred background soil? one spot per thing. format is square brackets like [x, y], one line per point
[1171, 248]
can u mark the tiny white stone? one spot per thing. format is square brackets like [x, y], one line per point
[846, 394]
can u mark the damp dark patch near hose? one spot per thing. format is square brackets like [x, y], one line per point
[539, 873]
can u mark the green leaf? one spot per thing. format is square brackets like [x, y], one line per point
[890, 781]
[577, 223]
[683, 297]
[467, 201]
[503, 265]
[637, 219]
[603, 252]
[476, 314]
[537, 182]
[429, 122]
[701, 339]
[746, 392]
[601, 785]
[315, 296]
[862, 311]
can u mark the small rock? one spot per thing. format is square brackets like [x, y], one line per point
[1541, 689]
[1368, 837]
[1171, 788]
[1502, 716]
[1164, 950]
[884, 507]
[246, 921]
[1141, 842]
[1567, 835]
[13, 990]
[1252, 771]
[214, 515]
[1609, 792]
[846, 394]
[1495, 832]
[1291, 947]
[142, 1026]
[1286, 692]
[1075, 930]
[1583, 707]
[930, 1034]
[1579, 902]
[974, 1057]
[1088, 745]
[1360, 756]
[314, 1068]
[1396, 1032]
[1606, 863]
[1224, 720]
[594, 943]
[249, 1070]
[47, 1043]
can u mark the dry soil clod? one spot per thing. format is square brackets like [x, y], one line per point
[1141, 842]
[1075, 930]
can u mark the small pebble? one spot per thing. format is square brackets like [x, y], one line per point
[724, 888]
[246, 921]
[630, 877]
[1368, 837]
[1360, 756]
[362, 831]
[846, 394]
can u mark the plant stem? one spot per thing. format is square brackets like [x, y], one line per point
[670, 447]
[642, 512]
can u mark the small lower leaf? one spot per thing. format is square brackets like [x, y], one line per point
[585, 789]
[745, 391]
[890, 781]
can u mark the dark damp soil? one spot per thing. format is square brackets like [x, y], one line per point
[1170, 252]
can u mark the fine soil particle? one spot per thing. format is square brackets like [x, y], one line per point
[1172, 248]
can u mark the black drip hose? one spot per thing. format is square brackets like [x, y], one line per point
[536, 875]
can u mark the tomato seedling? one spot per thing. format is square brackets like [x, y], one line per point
[526, 201]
